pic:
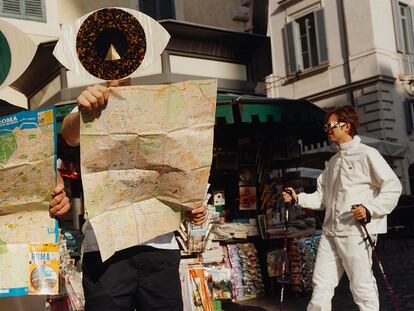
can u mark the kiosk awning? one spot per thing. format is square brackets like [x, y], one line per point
[248, 109]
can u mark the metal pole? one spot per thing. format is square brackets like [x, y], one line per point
[384, 276]
[285, 236]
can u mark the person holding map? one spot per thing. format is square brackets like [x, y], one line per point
[145, 276]
[59, 205]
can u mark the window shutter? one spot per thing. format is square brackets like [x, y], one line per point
[409, 113]
[411, 31]
[290, 48]
[11, 7]
[321, 37]
[34, 9]
[166, 9]
[158, 9]
[26, 9]
[397, 26]
[148, 7]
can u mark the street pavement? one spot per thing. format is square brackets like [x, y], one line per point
[397, 256]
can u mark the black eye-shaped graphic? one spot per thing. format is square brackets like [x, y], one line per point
[111, 44]
[16, 52]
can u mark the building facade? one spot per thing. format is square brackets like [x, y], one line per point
[210, 39]
[359, 52]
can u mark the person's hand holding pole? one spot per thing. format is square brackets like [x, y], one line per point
[289, 195]
[360, 212]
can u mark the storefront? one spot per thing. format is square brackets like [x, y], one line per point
[257, 152]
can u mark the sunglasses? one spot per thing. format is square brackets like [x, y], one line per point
[332, 124]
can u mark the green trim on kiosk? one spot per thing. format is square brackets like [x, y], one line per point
[250, 109]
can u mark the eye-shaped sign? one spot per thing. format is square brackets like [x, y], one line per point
[111, 44]
[16, 52]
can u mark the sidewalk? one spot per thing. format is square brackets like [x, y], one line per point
[397, 257]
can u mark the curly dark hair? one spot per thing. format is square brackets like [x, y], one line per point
[347, 114]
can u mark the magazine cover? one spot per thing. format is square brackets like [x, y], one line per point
[44, 269]
[199, 292]
[219, 281]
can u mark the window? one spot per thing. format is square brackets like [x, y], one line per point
[304, 42]
[403, 24]
[409, 112]
[158, 9]
[24, 9]
[411, 177]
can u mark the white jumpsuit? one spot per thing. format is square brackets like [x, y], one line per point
[356, 174]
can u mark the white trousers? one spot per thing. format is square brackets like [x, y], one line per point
[336, 255]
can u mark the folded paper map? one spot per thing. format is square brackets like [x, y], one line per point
[145, 158]
[27, 175]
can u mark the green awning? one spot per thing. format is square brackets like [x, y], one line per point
[247, 109]
[226, 112]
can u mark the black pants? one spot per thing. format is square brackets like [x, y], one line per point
[140, 277]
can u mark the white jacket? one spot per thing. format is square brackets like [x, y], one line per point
[356, 174]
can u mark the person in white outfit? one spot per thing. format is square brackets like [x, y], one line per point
[357, 175]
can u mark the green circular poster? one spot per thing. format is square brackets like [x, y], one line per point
[5, 58]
